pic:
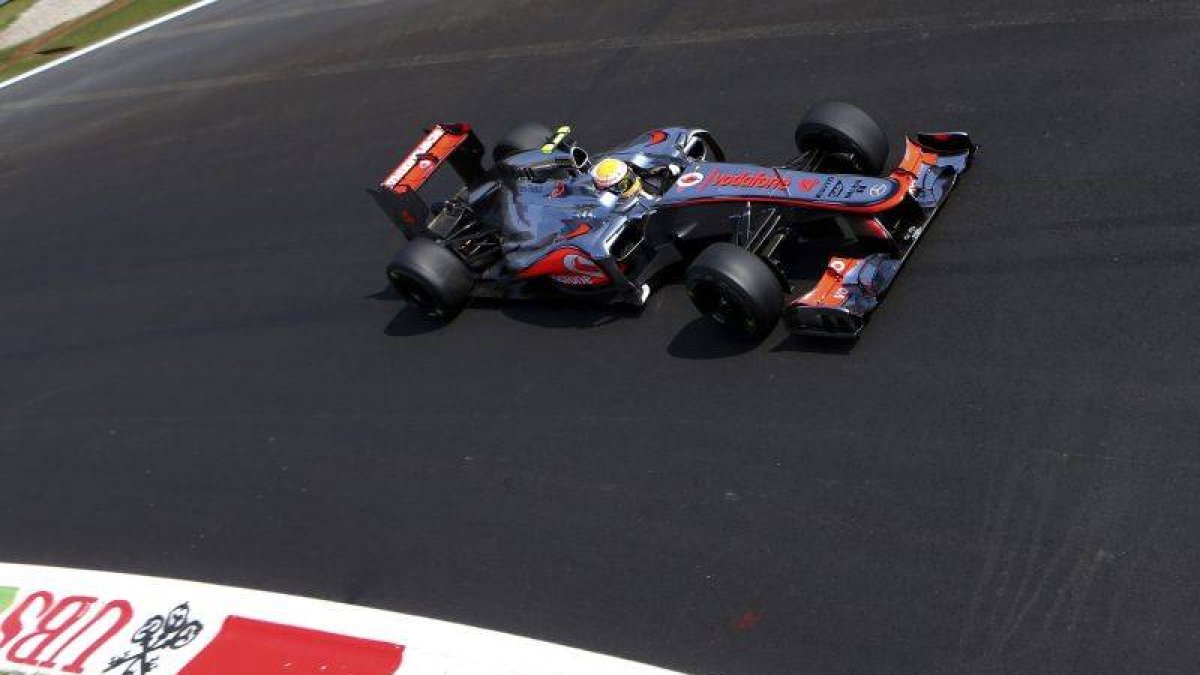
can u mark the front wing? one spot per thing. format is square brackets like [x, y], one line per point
[851, 288]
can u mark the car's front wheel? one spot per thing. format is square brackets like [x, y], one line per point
[737, 289]
[431, 278]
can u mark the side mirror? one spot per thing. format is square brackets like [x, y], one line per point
[580, 157]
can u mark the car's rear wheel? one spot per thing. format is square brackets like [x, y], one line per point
[737, 289]
[844, 130]
[431, 278]
[525, 136]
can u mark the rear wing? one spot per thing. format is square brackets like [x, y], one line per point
[455, 144]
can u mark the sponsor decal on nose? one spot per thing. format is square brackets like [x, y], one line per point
[759, 180]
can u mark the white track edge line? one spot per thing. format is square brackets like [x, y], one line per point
[108, 41]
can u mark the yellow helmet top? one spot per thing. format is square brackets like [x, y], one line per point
[613, 174]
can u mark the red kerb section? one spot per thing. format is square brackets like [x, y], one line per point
[250, 647]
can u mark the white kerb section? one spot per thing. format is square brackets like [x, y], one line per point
[30, 595]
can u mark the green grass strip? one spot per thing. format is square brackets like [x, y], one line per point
[7, 595]
[104, 25]
[10, 12]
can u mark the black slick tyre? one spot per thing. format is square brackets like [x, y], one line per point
[431, 278]
[525, 136]
[737, 289]
[837, 127]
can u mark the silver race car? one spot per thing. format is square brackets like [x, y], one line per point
[547, 217]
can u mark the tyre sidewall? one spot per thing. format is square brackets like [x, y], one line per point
[431, 278]
[846, 128]
[523, 137]
[752, 296]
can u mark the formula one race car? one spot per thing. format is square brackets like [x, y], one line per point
[547, 217]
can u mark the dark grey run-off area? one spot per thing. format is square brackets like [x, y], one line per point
[203, 376]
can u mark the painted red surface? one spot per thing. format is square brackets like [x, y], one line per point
[829, 292]
[250, 647]
[567, 265]
[746, 621]
[424, 160]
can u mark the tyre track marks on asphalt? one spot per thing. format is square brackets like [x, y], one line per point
[1017, 614]
[923, 26]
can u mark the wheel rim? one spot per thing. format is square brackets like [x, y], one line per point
[416, 295]
[834, 143]
[731, 313]
[716, 303]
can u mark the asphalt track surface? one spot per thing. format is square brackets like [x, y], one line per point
[203, 375]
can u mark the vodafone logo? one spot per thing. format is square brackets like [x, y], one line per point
[838, 265]
[807, 184]
[757, 180]
[688, 180]
[877, 190]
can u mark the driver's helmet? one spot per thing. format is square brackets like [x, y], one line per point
[616, 176]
